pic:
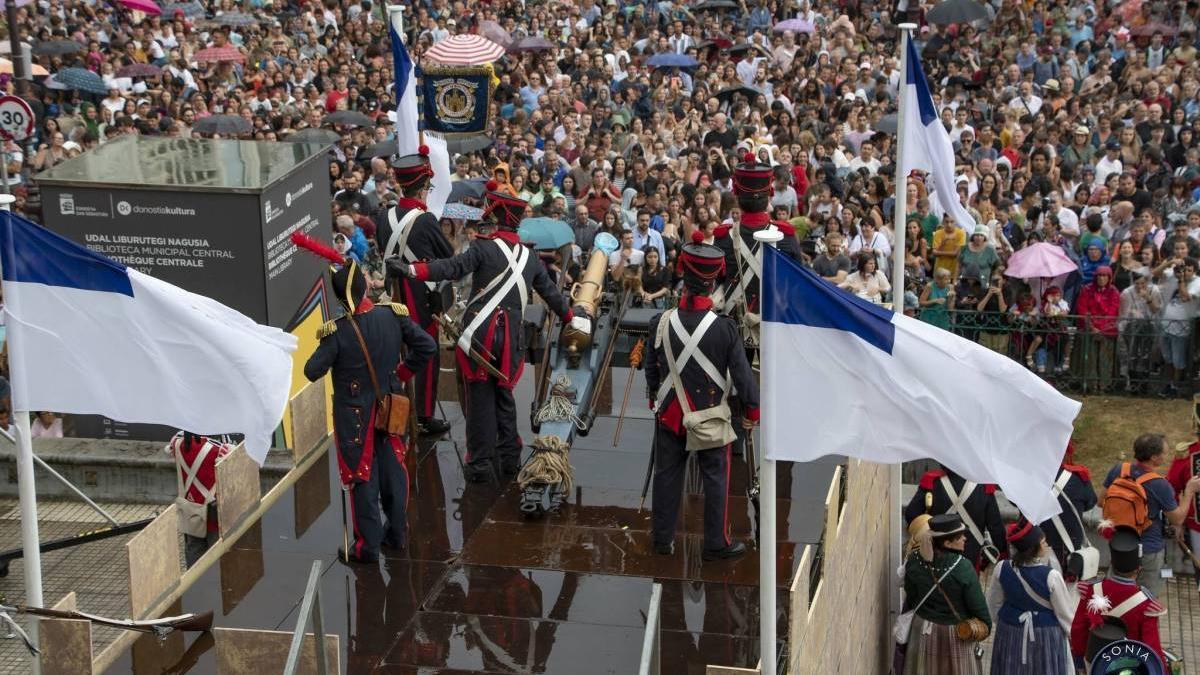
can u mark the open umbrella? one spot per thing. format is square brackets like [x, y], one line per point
[469, 143]
[6, 66]
[56, 47]
[1039, 260]
[236, 19]
[81, 79]
[314, 136]
[494, 32]
[471, 188]
[349, 118]
[546, 234]
[465, 50]
[219, 54]
[713, 5]
[672, 60]
[222, 124]
[190, 10]
[795, 25]
[530, 43]
[888, 124]
[1149, 29]
[956, 11]
[460, 211]
[380, 149]
[718, 42]
[147, 6]
[728, 93]
[139, 70]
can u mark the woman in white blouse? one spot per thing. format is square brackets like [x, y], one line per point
[867, 281]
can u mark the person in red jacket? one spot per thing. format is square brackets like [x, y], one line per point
[1119, 596]
[1178, 476]
[1098, 305]
[196, 459]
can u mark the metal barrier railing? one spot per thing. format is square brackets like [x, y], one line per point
[311, 606]
[1090, 355]
[652, 641]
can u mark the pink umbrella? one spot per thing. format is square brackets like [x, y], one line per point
[147, 6]
[494, 32]
[465, 50]
[218, 54]
[1039, 260]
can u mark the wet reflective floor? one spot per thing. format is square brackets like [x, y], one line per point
[481, 589]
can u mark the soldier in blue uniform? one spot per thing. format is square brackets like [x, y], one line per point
[701, 353]
[503, 273]
[409, 231]
[370, 461]
[943, 491]
[753, 186]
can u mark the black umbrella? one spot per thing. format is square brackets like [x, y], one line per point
[471, 188]
[714, 5]
[57, 47]
[888, 124]
[314, 136]
[222, 124]
[728, 93]
[468, 143]
[380, 149]
[236, 20]
[348, 118]
[530, 43]
[956, 11]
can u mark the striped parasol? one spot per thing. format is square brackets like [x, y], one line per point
[6, 66]
[465, 50]
[218, 54]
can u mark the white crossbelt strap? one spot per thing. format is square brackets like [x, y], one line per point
[1059, 486]
[398, 243]
[192, 470]
[1127, 606]
[958, 505]
[751, 267]
[691, 350]
[502, 283]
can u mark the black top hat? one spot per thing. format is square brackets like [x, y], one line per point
[752, 178]
[1104, 634]
[505, 209]
[412, 169]
[701, 265]
[1126, 549]
[945, 524]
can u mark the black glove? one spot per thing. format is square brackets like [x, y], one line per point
[397, 267]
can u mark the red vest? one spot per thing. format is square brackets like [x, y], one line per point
[1141, 621]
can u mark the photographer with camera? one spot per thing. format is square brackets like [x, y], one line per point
[1181, 305]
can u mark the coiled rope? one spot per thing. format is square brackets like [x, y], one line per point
[549, 464]
[560, 404]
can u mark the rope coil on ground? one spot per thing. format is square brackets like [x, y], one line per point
[548, 465]
[560, 404]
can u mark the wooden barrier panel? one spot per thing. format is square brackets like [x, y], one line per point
[66, 644]
[308, 418]
[153, 557]
[238, 489]
[242, 651]
[798, 594]
[726, 670]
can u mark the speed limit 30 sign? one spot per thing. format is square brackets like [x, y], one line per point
[16, 119]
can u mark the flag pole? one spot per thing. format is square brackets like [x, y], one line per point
[766, 523]
[27, 491]
[900, 230]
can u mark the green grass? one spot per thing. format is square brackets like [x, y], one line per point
[1107, 425]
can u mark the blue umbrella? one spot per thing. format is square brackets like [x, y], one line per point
[546, 234]
[460, 211]
[81, 79]
[190, 10]
[672, 60]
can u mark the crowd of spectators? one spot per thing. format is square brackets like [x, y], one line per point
[1074, 124]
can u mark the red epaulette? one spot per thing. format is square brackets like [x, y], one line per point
[930, 478]
[989, 489]
[505, 235]
[1083, 472]
[785, 227]
[721, 231]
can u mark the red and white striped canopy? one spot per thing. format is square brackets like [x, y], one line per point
[465, 50]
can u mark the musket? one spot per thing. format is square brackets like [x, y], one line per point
[752, 479]
[635, 361]
[649, 468]
[477, 353]
[161, 627]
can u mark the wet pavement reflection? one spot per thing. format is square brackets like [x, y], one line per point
[483, 590]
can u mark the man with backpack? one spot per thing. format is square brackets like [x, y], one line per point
[1139, 497]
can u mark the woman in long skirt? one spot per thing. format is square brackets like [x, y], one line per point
[1032, 606]
[943, 592]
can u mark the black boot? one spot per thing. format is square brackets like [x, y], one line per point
[733, 550]
[432, 426]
